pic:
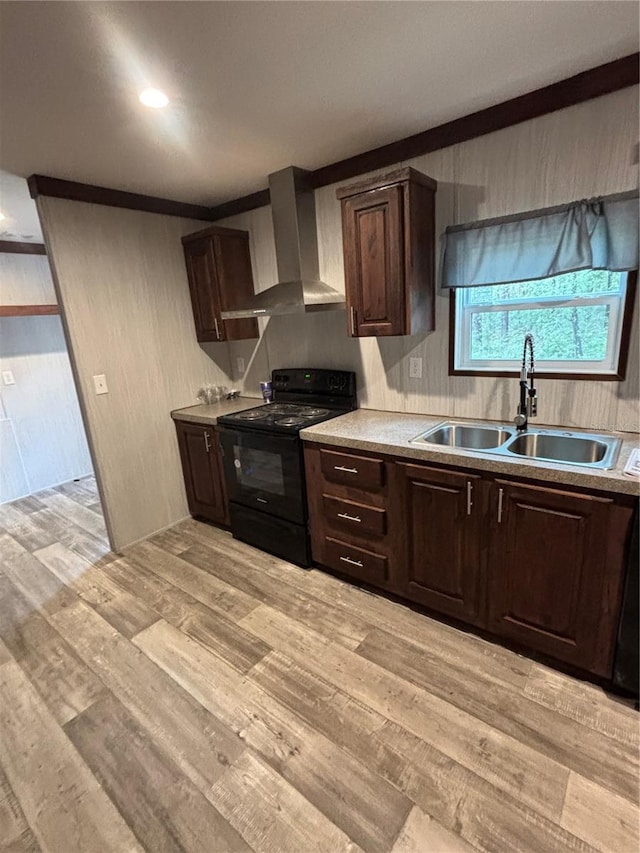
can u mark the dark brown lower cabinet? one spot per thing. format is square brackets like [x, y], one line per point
[540, 565]
[202, 469]
[556, 569]
[439, 521]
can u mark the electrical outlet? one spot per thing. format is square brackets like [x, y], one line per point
[100, 384]
[7, 377]
[240, 366]
[415, 368]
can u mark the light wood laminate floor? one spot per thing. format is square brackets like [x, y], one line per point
[194, 694]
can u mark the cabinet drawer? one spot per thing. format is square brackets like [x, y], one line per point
[362, 472]
[354, 517]
[360, 564]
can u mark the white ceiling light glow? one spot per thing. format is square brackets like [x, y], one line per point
[2, 216]
[154, 98]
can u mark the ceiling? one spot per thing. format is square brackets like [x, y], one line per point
[257, 86]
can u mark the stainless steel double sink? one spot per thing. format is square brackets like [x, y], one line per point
[544, 445]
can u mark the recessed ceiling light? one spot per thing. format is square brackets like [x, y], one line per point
[154, 98]
[2, 216]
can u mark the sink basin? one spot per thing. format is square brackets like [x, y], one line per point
[571, 449]
[466, 436]
[591, 450]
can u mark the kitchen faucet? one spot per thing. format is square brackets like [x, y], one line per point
[528, 406]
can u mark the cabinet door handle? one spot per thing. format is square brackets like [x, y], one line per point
[215, 322]
[348, 470]
[349, 517]
[469, 497]
[352, 313]
[207, 442]
[352, 562]
[500, 499]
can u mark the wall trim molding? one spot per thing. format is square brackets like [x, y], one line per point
[12, 247]
[75, 191]
[593, 83]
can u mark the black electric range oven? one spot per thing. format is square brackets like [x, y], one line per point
[263, 461]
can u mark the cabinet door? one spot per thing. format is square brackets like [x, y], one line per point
[235, 282]
[374, 262]
[203, 287]
[202, 468]
[548, 571]
[439, 513]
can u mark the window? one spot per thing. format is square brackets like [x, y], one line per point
[579, 321]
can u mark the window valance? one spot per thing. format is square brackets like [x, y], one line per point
[598, 233]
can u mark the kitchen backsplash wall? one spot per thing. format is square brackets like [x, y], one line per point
[42, 438]
[122, 282]
[583, 151]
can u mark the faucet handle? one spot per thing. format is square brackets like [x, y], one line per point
[520, 420]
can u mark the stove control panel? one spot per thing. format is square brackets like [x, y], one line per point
[297, 380]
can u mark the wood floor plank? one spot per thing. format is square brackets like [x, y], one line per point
[345, 790]
[261, 587]
[490, 819]
[93, 548]
[214, 593]
[200, 744]
[28, 505]
[13, 824]
[66, 685]
[38, 585]
[22, 528]
[582, 749]
[65, 806]
[446, 643]
[608, 822]
[90, 521]
[271, 815]
[421, 833]
[458, 799]
[172, 541]
[77, 492]
[127, 614]
[164, 809]
[585, 703]
[500, 759]
[213, 630]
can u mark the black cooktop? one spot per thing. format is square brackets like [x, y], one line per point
[302, 397]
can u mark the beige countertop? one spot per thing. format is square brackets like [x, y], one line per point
[202, 414]
[391, 433]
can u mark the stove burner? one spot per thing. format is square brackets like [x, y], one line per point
[283, 409]
[314, 413]
[290, 421]
[252, 415]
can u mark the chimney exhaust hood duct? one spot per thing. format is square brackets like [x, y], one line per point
[299, 287]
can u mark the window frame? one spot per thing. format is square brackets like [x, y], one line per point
[623, 352]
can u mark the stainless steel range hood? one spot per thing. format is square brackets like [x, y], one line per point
[299, 287]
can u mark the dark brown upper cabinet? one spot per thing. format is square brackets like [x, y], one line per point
[220, 279]
[388, 230]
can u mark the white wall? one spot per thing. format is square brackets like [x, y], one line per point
[583, 151]
[42, 438]
[121, 282]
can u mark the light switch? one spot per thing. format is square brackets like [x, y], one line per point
[7, 377]
[100, 384]
[415, 368]
[240, 366]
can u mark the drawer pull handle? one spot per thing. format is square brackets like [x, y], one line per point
[349, 517]
[469, 498]
[500, 500]
[352, 562]
[348, 470]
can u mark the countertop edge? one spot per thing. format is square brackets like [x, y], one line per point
[209, 414]
[613, 481]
